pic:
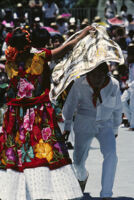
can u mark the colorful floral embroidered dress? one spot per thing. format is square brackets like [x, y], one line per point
[30, 135]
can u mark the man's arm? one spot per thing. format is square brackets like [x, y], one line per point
[70, 107]
[117, 113]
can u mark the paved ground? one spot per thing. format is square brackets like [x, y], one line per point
[124, 182]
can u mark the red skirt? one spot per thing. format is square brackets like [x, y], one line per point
[31, 136]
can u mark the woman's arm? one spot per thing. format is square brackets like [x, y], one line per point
[62, 50]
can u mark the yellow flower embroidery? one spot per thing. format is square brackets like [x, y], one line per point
[17, 139]
[11, 72]
[38, 119]
[44, 150]
[36, 66]
[3, 160]
[33, 65]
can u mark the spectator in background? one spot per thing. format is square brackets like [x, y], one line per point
[123, 73]
[124, 8]
[54, 26]
[8, 35]
[35, 9]
[127, 99]
[130, 60]
[1, 38]
[20, 16]
[62, 24]
[2, 14]
[72, 24]
[57, 40]
[8, 18]
[110, 9]
[130, 37]
[50, 12]
[121, 38]
[36, 23]
[131, 22]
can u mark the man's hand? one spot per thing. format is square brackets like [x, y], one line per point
[66, 135]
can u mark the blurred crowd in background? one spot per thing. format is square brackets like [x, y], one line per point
[118, 23]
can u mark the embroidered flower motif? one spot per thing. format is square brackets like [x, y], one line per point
[10, 154]
[25, 88]
[38, 119]
[29, 119]
[44, 150]
[57, 146]
[3, 156]
[19, 157]
[17, 138]
[44, 117]
[46, 133]
[36, 66]
[26, 153]
[11, 71]
[22, 135]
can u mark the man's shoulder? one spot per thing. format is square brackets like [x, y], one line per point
[80, 79]
[114, 83]
[114, 80]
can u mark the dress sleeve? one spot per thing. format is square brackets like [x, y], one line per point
[48, 54]
[45, 53]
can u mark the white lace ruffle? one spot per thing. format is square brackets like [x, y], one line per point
[39, 183]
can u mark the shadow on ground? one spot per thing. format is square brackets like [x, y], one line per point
[88, 197]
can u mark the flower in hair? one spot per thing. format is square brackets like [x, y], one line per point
[27, 35]
[11, 53]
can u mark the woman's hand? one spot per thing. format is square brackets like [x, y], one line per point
[85, 32]
[62, 50]
[88, 29]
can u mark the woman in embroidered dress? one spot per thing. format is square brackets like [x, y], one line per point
[34, 162]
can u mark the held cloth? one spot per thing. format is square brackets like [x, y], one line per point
[88, 53]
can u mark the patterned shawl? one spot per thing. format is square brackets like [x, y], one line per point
[88, 53]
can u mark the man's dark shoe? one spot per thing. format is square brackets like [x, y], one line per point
[83, 184]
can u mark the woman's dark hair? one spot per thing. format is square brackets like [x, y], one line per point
[40, 37]
[57, 37]
[19, 39]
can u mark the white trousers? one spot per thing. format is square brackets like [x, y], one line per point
[85, 130]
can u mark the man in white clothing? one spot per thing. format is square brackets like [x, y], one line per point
[96, 97]
[128, 108]
[50, 11]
